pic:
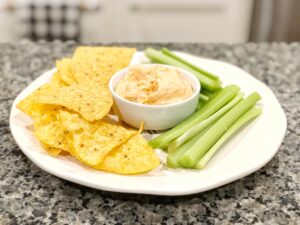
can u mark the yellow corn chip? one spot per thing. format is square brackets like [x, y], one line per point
[52, 134]
[70, 114]
[46, 126]
[73, 122]
[64, 69]
[56, 80]
[52, 151]
[134, 156]
[91, 146]
[90, 142]
[29, 106]
[99, 62]
[92, 100]
[50, 131]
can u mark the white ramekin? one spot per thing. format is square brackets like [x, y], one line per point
[155, 117]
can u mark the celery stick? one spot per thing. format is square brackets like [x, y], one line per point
[173, 157]
[206, 82]
[239, 124]
[203, 124]
[213, 105]
[193, 155]
[173, 55]
[200, 104]
[208, 93]
[203, 97]
[202, 101]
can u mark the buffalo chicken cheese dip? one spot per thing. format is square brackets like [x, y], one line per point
[154, 85]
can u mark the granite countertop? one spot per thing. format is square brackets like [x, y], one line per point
[271, 195]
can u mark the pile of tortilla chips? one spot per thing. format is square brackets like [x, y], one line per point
[70, 114]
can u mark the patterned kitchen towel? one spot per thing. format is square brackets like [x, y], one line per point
[49, 19]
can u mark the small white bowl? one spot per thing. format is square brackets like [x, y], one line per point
[155, 117]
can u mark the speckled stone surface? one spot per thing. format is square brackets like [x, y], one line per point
[271, 195]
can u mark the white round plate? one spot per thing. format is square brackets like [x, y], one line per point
[247, 152]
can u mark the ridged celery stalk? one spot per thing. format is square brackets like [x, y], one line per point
[213, 104]
[206, 82]
[203, 97]
[203, 124]
[173, 157]
[205, 142]
[173, 55]
[239, 124]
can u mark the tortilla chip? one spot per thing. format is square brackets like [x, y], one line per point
[133, 157]
[56, 80]
[90, 142]
[73, 122]
[29, 106]
[47, 129]
[52, 151]
[91, 146]
[99, 62]
[91, 100]
[52, 134]
[70, 114]
[50, 131]
[64, 69]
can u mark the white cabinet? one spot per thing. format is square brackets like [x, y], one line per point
[181, 20]
[157, 21]
[96, 25]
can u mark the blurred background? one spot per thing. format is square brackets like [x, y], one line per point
[226, 21]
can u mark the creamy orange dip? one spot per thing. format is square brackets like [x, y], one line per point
[154, 85]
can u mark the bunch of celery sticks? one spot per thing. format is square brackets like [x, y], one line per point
[222, 111]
